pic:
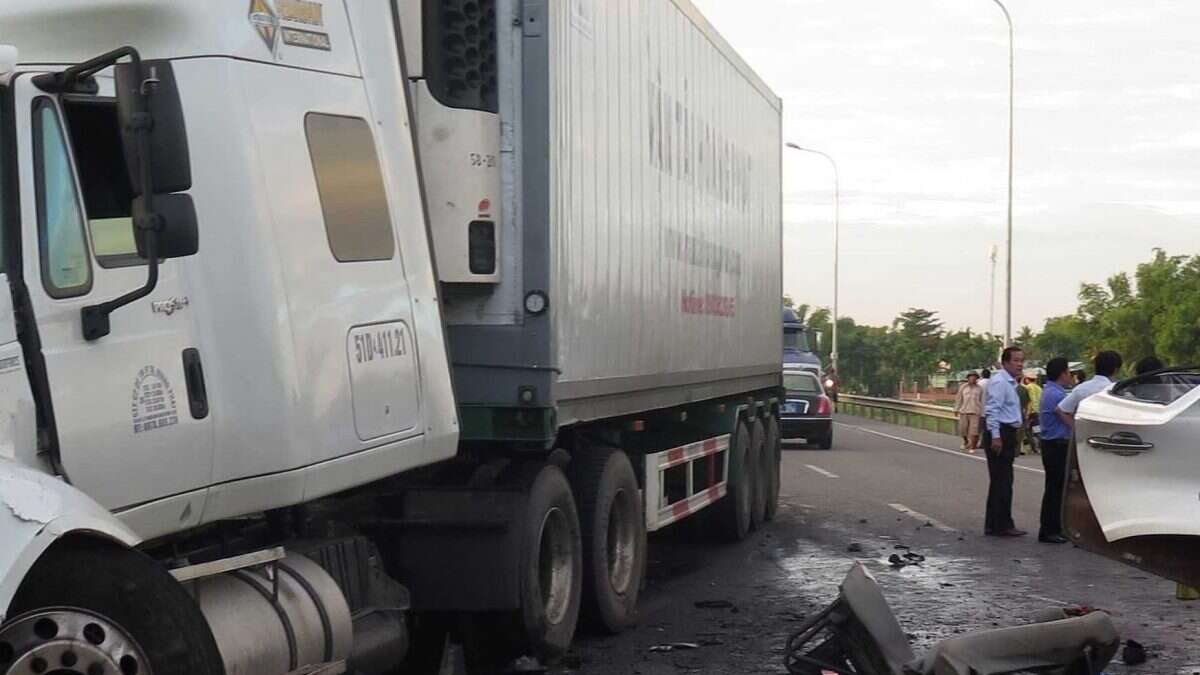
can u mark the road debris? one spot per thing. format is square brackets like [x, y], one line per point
[714, 604]
[1133, 654]
[674, 646]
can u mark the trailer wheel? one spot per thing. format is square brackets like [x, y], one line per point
[92, 607]
[762, 473]
[551, 566]
[774, 456]
[733, 514]
[613, 534]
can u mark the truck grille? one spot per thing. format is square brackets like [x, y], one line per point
[460, 53]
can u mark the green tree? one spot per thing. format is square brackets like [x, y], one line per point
[965, 350]
[916, 345]
[1065, 336]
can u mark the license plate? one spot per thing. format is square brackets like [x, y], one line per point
[795, 407]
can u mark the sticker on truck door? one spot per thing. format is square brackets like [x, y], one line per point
[153, 402]
[383, 379]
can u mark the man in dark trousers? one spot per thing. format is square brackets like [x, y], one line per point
[1003, 411]
[1056, 441]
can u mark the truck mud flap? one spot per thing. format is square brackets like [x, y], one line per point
[456, 549]
[1173, 557]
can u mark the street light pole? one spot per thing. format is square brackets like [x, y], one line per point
[837, 200]
[1011, 98]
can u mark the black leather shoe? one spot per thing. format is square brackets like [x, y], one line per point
[1011, 532]
[1053, 539]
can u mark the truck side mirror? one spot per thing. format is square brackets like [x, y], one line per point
[154, 140]
[178, 236]
[818, 337]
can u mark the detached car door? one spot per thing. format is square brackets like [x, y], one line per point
[1134, 491]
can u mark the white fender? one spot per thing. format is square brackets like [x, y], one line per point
[35, 510]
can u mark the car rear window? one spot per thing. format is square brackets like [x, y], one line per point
[801, 382]
[1163, 388]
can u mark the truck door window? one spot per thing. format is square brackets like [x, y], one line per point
[66, 270]
[107, 194]
[350, 187]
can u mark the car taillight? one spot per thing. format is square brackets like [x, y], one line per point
[824, 407]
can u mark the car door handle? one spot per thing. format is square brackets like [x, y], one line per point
[1122, 443]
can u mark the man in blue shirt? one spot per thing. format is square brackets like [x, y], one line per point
[1002, 408]
[1056, 440]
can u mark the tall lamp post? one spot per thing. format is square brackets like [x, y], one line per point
[833, 354]
[1009, 263]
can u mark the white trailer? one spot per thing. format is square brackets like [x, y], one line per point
[338, 327]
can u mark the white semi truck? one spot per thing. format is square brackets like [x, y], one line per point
[331, 328]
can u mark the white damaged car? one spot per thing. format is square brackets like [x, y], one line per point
[1133, 491]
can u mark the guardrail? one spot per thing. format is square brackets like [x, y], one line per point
[907, 413]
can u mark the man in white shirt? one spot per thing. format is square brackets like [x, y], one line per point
[1002, 408]
[1107, 364]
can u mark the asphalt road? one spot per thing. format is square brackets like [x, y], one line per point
[881, 487]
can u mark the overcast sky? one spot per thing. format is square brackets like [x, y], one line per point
[911, 99]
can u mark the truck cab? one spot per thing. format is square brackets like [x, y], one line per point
[797, 349]
[280, 360]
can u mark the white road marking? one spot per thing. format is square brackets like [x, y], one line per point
[1052, 601]
[917, 515]
[823, 472]
[956, 453]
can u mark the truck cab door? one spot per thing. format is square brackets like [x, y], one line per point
[130, 409]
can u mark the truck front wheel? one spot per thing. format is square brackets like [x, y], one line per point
[614, 536]
[90, 607]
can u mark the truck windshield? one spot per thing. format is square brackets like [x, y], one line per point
[795, 339]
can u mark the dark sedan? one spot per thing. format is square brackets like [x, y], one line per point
[807, 413]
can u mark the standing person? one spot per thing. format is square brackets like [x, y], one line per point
[1023, 399]
[1107, 364]
[968, 403]
[1147, 364]
[1056, 440]
[985, 376]
[1034, 413]
[1003, 411]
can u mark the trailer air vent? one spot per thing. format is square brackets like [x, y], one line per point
[460, 53]
[481, 241]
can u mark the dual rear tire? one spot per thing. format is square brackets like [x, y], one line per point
[752, 488]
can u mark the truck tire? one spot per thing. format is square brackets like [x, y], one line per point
[613, 531]
[762, 470]
[551, 566]
[88, 602]
[774, 445]
[733, 513]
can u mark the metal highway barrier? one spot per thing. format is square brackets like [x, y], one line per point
[906, 413]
